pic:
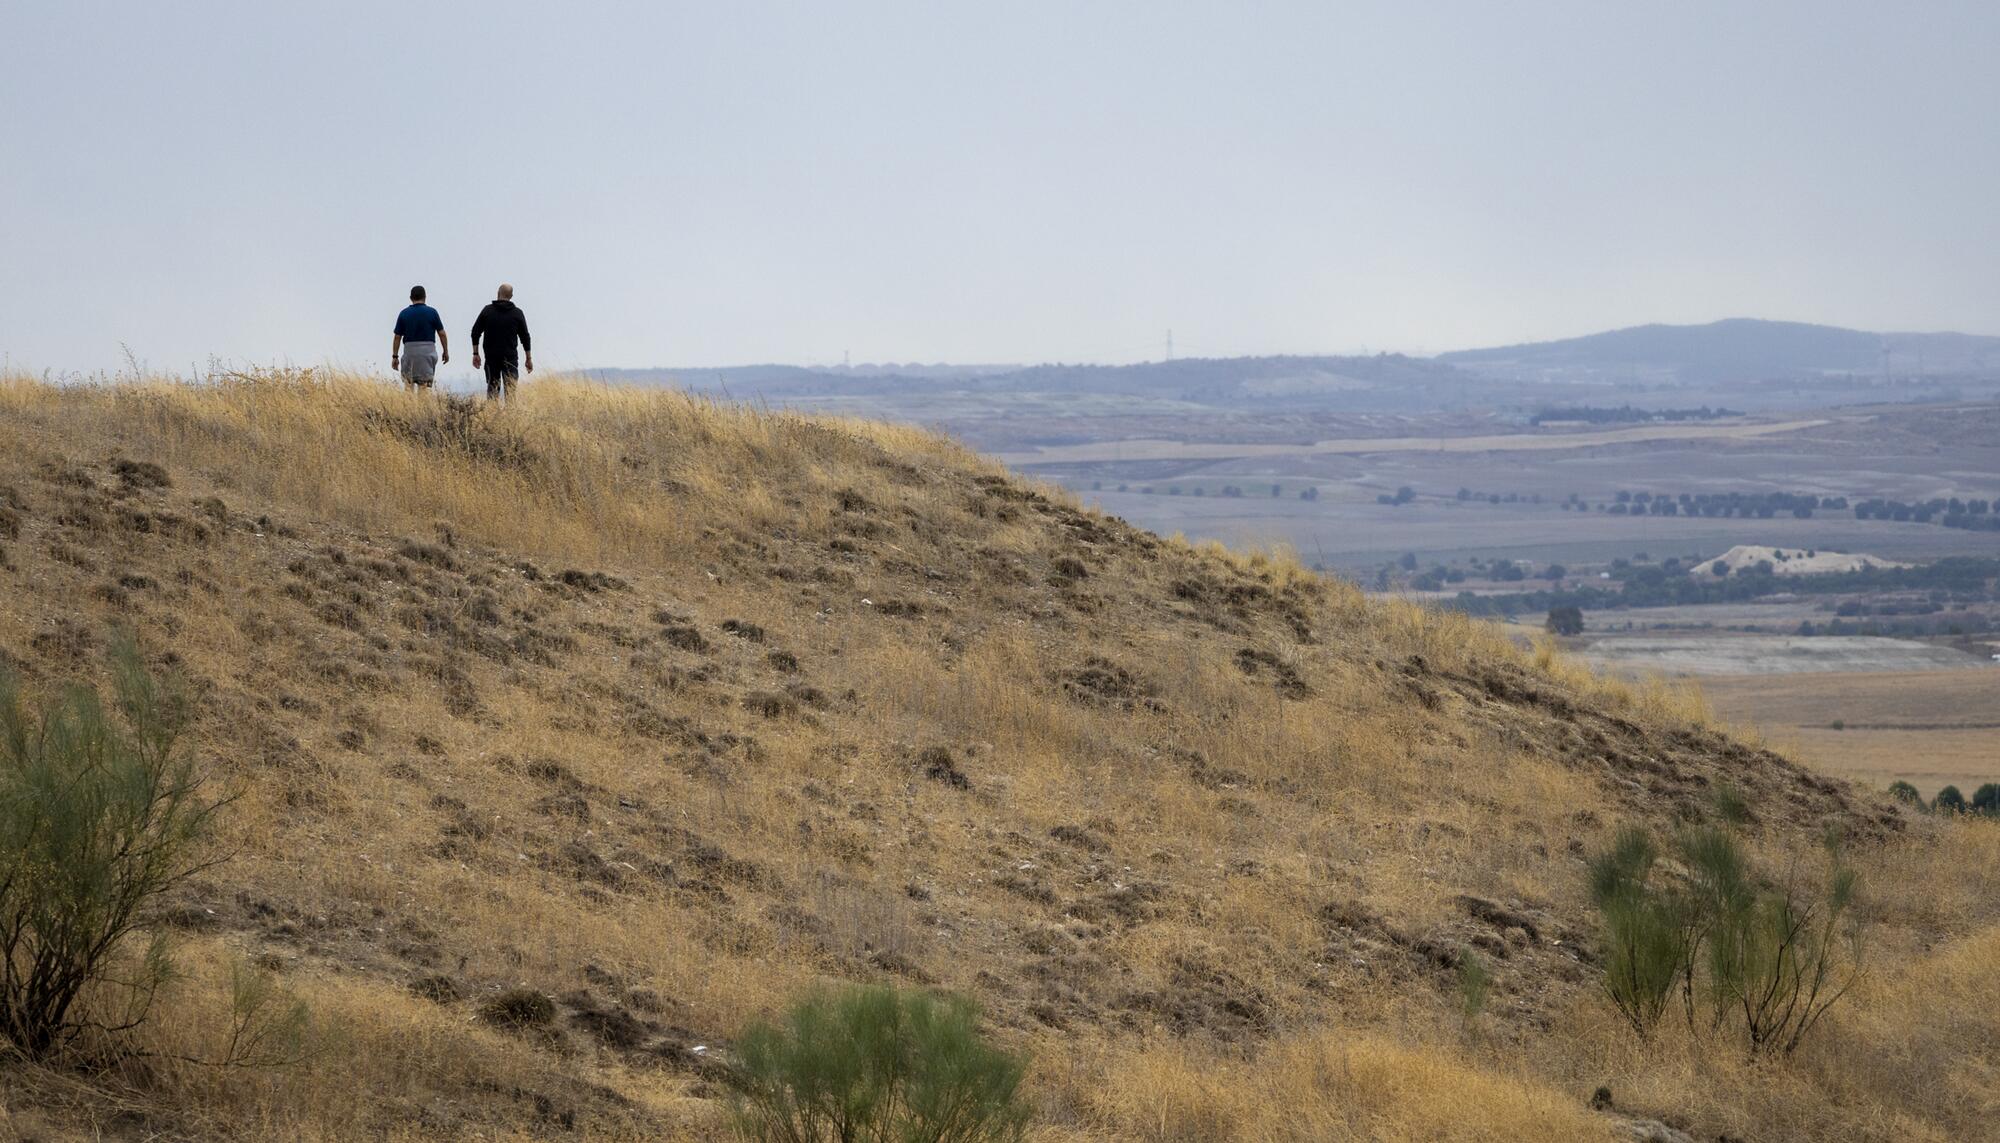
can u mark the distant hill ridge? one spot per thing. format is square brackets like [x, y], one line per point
[1738, 349]
[1206, 375]
[1734, 349]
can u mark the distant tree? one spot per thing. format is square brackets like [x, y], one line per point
[1906, 794]
[1309, 493]
[1565, 621]
[1405, 494]
[1555, 572]
[1465, 494]
[1949, 800]
[1408, 561]
[1986, 799]
[1277, 490]
[1719, 568]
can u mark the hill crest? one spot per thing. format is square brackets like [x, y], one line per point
[667, 709]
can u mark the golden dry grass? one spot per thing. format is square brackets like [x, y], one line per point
[1213, 809]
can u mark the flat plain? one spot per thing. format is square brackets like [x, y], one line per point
[1928, 728]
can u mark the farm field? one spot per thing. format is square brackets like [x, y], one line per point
[1705, 655]
[1495, 442]
[1928, 728]
[1354, 536]
[1905, 454]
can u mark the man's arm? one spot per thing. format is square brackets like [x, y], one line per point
[478, 326]
[395, 350]
[444, 348]
[527, 346]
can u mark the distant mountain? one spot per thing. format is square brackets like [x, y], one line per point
[1737, 349]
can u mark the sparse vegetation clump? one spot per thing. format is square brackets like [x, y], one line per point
[100, 814]
[518, 1008]
[875, 1064]
[1769, 959]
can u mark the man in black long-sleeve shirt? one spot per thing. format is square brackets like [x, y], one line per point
[501, 324]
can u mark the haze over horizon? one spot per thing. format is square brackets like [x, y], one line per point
[956, 183]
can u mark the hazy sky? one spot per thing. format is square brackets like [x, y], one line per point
[729, 182]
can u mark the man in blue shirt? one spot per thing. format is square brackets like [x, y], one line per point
[419, 346]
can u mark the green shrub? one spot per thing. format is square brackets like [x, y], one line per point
[1780, 957]
[1475, 981]
[1986, 799]
[1906, 793]
[1949, 800]
[269, 1026]
[1645, 930]
[1768, 958]
[874, 1064]
[99, 815]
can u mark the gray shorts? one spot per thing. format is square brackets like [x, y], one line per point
[420, 362]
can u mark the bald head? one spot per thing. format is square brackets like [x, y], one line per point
[506, 293]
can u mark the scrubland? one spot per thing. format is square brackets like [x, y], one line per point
[668, 709]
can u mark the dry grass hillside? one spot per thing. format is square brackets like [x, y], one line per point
[667, 710]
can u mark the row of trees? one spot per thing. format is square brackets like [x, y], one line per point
[1627, 414]
[1231, 491]
[1965, 579]
[1951, 512]
[1950, 800]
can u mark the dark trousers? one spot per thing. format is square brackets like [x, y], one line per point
[501, 374]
